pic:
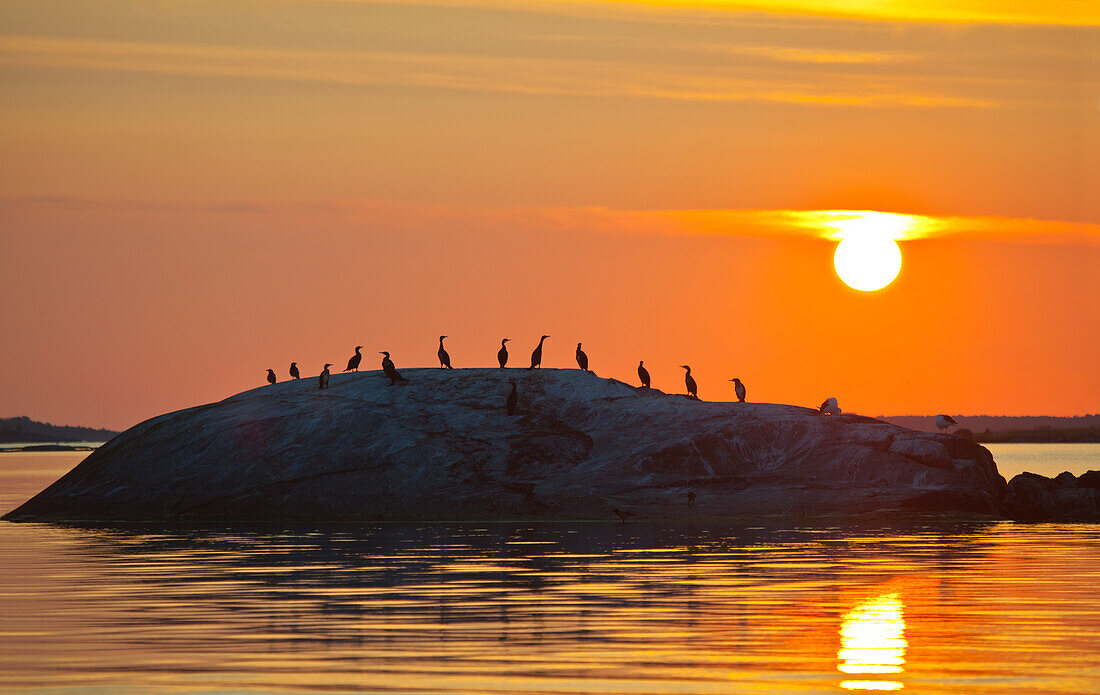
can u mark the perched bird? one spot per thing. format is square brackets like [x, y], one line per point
[502, 354]
[294, 370]
[389, 370]
[444, 358]
[582, 359]
[271, 376]
[829, 407]
[643, 374]
[739, 389]
[690, 382]
[353, 363]
[691, 498]
[945, 421]
[622, 514]
[513, 400]
[322, 380]
[536, 356]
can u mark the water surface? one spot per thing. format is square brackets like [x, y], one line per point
[555, 608]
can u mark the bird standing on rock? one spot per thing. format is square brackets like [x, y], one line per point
[353, 363]
[502, 354]
[582, 359]
[690, 382]
[943, 422]
[444, 358]
[536, 356]
[389, 370]
[829, 407]
[643, 374]
[513, 400]
[322, 380]
[294, 373]
[739, 389]
[271, 376]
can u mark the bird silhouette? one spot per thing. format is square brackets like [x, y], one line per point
[389, 370]
[444, 358]
[294, 373]
[582, 359]
[690, 382]
[502, 354]
[513, 400]
[622, 514]
[643, 374]
[353, 363]
[271, 376]
[536, 356]
[691, 498]
[829, 407]
[322, 379]
[739, 389]
[943, 422]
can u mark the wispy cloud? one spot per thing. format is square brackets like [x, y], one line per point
[820, 224]
[485, 73]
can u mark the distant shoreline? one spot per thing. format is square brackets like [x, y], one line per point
[22, 448]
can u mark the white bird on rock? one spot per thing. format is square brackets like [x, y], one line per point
[829, 407]
[943, 422]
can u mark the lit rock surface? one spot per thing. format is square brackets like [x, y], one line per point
[441, 446]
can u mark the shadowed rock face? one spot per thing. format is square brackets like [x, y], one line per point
[442, 447]
[1033, 497]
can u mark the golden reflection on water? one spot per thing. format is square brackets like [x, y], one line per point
[872, 641]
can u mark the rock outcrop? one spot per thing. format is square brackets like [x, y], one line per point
[442, 446]
[1033, 497]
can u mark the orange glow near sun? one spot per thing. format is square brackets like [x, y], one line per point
[867, 257]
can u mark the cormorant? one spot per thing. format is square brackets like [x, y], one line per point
[943, 422]
[390, 370]
[643, 374]
[502, 354]
[271, 376]
[536, 356]
[690, 382]
[829, 407]
[322, 380]
[513, 400]
[739, 389]
[444, 358]
[582, 359]
[294, 370]
[353, 363]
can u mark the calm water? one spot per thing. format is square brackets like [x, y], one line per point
[1045, 459]
[502, 609]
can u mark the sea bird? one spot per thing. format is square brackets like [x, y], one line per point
[691, 498]
[271, 376]
[536, 355]
[582, 359]
[444, 358]
[294, 371]
[643, 374]
[502, 354]
[389, 370]
[322, 380]
[829, 407]
[353, 363]
[690, 382]
[513, 400]
[622, 514]
[739, 389]
[945, 421]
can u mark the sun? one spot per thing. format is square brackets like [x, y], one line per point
[868, 257]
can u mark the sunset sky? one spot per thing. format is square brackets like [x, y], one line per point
[193, 192]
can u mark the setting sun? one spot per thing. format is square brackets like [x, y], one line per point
[868, 257]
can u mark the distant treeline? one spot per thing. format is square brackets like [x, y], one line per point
[24, 429]
[998, 428]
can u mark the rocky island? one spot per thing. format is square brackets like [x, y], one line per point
[441, 446]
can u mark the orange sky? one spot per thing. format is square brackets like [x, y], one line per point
[191, 193]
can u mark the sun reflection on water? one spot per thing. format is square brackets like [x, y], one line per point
[872, 641]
